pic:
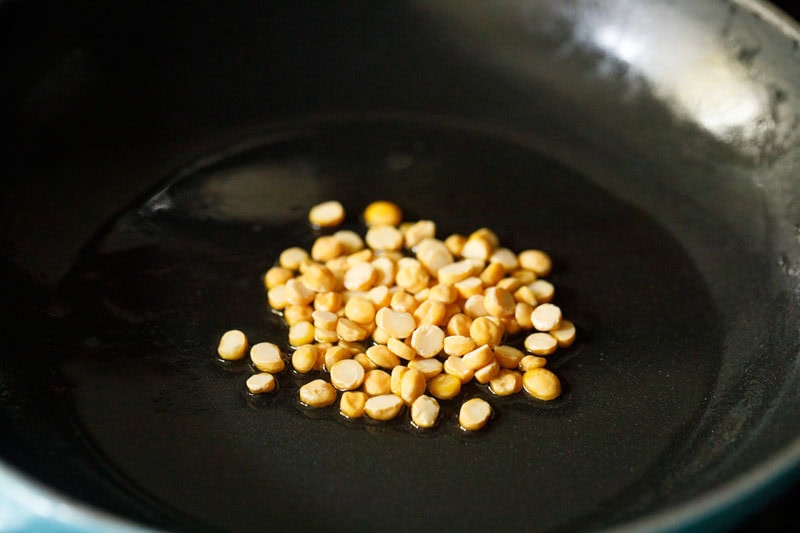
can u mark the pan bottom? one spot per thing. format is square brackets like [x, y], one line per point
[150, 297]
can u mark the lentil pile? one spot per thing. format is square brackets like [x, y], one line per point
[400, 318]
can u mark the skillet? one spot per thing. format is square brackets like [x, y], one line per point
[162, 157]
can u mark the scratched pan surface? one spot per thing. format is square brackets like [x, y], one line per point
[167, 157]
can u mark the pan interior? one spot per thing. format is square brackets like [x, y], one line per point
[148, 300]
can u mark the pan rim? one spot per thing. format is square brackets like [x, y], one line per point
[31, 502]
[780, 470]
[773, 16]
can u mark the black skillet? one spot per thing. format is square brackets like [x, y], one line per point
[160, 157]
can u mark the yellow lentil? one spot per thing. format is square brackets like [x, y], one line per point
[317, 393]
[444, 386]
[346, 374]
[292, 258]
[546, 317]
[267, 357]
[535, 260]
[541, 384]
[382, 356]
[325, 248]
[531, 361]
[383, 407]
[261, 383]
[232, 345]
[506, 382]
[412, 385]
[351, 241]
[424, 412]
[564, 334]
[429, 367]
[383, 212]
[352, 404]
[277, 276]
[304, 358]
[455, 243]
[541, 343]
[377, 382]
[474, 414]
[326, 214]
[508, 356]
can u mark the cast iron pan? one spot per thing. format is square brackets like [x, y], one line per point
[161, 158]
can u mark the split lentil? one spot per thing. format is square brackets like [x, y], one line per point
[326, 214]
[474, 414]
[383, 407]
[232, 345]
[424, 412]
[352, 404]
[261, 383]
